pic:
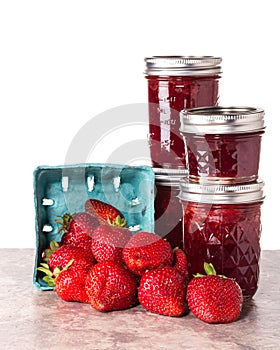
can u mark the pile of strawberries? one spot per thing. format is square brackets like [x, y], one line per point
[100, 262]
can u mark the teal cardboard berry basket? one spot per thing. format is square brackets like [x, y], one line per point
[65, 189]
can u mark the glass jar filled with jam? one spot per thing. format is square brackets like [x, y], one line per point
[222, 143]
[222, 226]
[168, 209]
[176, 83]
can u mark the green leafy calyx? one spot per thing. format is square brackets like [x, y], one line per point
[64, 222]
[209, 270]
[48, 252]
[51, 276]
[119, 222]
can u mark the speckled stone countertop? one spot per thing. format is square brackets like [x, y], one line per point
[34, 319]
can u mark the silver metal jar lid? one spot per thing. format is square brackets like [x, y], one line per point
[183, 65]
[221, 120]
[221, 194]
[169, 177]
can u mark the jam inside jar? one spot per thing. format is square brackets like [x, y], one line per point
[176, 83]
[224, 157]
[168, 208]
[223, 144]
[226, 234]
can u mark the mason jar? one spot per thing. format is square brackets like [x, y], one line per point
[176, 83]
[222, 144]
[222, 226]
[168, 209]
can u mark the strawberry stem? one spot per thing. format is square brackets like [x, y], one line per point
[53, 245]
[49, 280]
[64, 222]
[119, 222]
[51, 276]
[209, 269]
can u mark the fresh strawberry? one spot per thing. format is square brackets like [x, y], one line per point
[69, 282]
[163, 291]
[110, 286]
[180, 262]
[78, 229]
[105, 212]
[62, 255]
[213, 298]
[146, 251]
[108, 243]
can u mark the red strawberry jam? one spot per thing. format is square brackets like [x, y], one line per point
[222, 226]
[176, 83]
[223, 144]
[168, 209]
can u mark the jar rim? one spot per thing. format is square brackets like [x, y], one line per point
[221, 193]
[176, 65]
[222, 120]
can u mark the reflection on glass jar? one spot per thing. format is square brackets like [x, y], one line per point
[222, 226]
[176, 83]
[223, 143]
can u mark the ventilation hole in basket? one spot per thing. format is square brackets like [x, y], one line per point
[47, 201]
[90, 183]
[64, 183]
[134, 228]
[116, 182]
[135, 201]
[47, 228]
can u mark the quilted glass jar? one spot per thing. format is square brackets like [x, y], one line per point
[222, 143]
[222, 226]
[168, 209]
[175, 83]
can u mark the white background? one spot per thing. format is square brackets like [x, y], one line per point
[63, 62]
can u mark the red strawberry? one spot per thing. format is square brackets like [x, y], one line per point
[110, 286]
[105, 212]
[70, 281]
[214, 299]
[180, 262]
[163, 291]
[62, 255]
[70, 284]
[108, 243]
[146, 251]
[78, 229]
